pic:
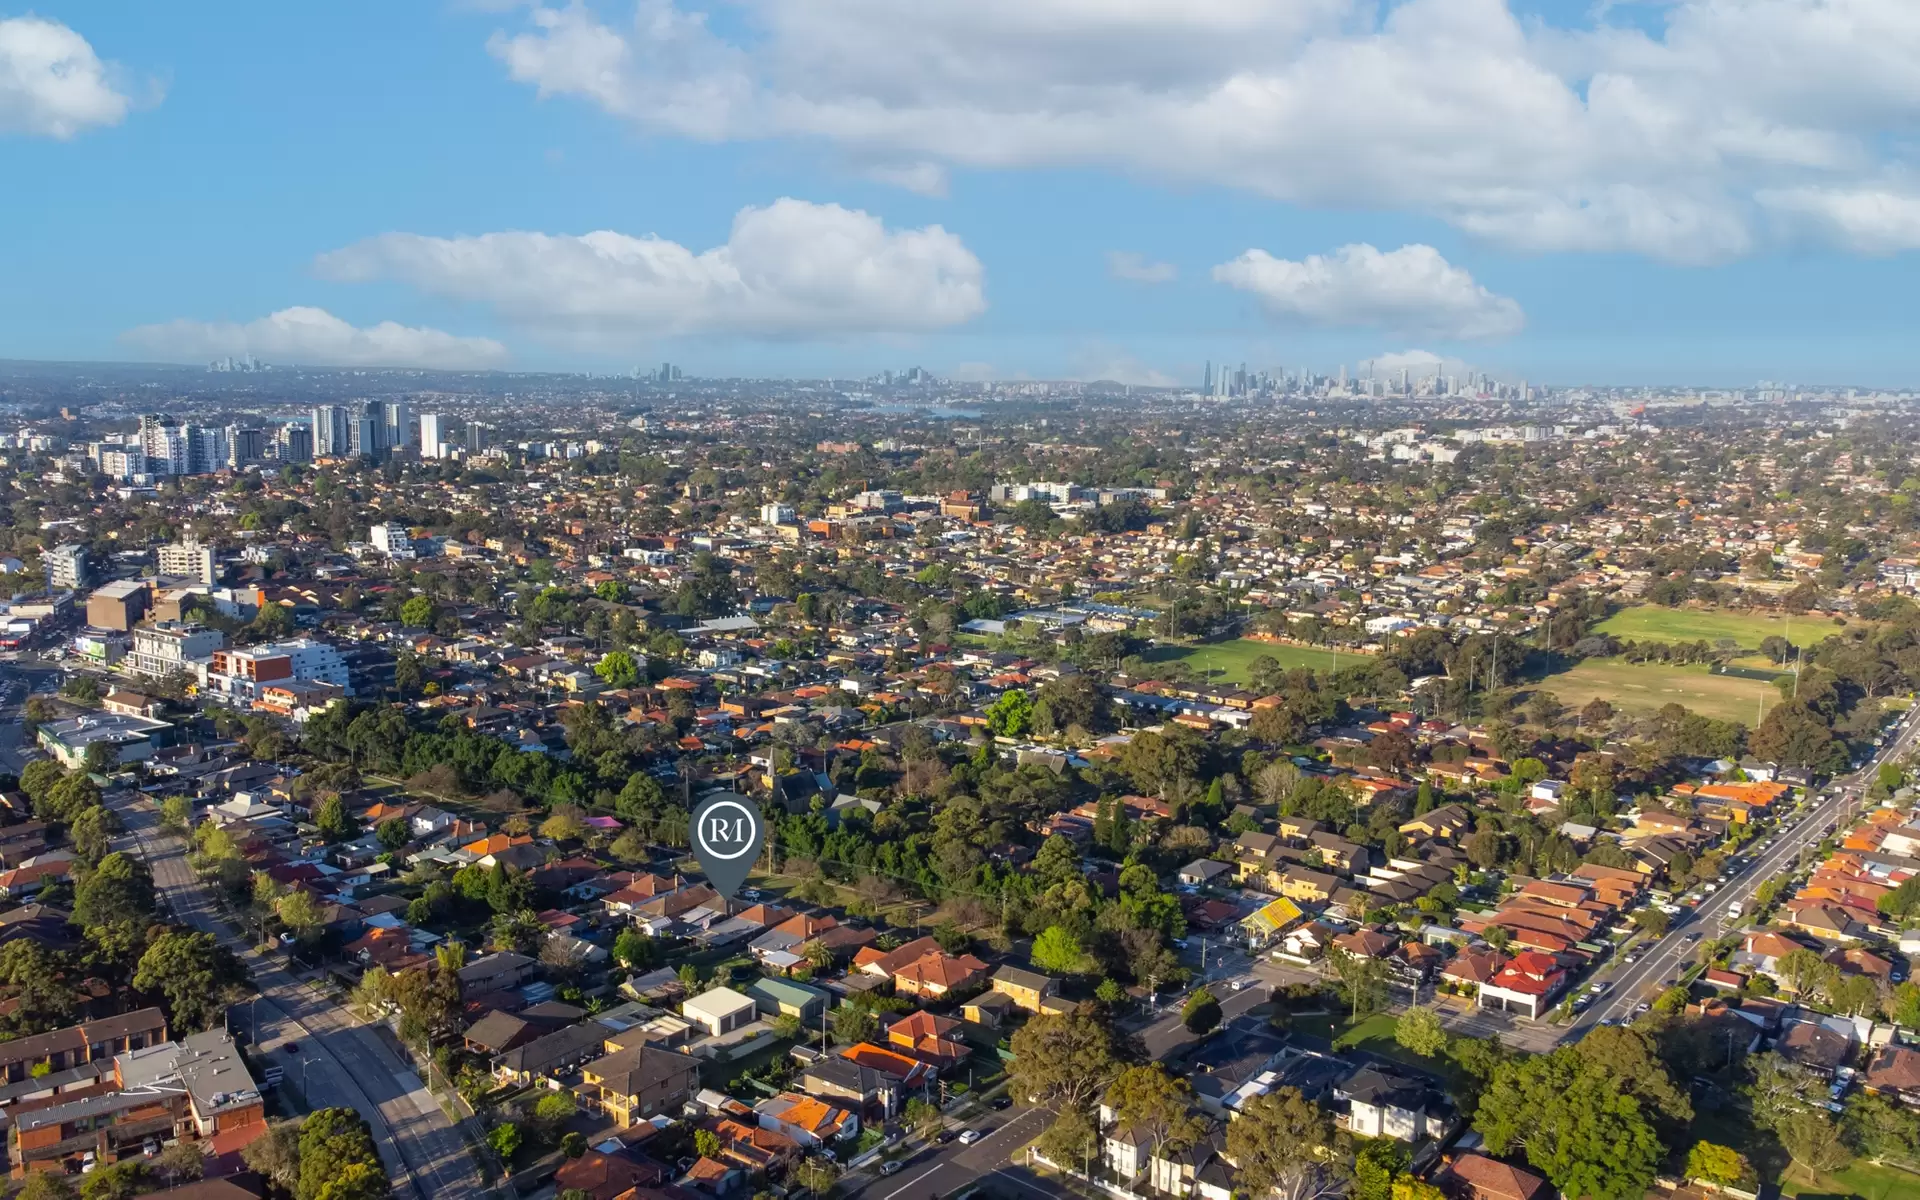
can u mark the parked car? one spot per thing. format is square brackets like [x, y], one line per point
[890, 1166]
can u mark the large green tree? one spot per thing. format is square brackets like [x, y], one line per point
[194, 974]
[1285, 1147]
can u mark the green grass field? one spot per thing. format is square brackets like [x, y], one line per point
[1229, 661]
[1645, 687]
[1652, 623]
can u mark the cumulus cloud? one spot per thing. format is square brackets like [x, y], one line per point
[1125, 264]
[315, 337]
[52, 84]
[1871, 219]
[1597, 136]
[1410, 290]
[1419, 364]
[791, 269]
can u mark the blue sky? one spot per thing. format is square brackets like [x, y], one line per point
[1634, 194]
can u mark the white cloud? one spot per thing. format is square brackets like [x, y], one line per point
[791, 269]
[1418, 364]
[315, 337]
[1871, 219]
[52, 84]
[1598, 137]
[1125, 264]
[1409, 290]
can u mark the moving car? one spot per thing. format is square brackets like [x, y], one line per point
[969, 1136]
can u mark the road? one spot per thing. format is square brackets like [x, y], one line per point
[1629, 987]
[944, 1170]
[339, 1062]
[17, 682]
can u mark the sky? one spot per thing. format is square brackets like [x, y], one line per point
[1708, 192]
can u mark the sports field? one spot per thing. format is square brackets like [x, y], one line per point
[1645, 687]
[1652, 623]
[1229, 661]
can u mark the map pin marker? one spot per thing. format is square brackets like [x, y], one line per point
[727, 832]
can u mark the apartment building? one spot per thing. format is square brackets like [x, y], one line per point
[163, 648]
[240, 675]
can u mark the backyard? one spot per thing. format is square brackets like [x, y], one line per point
[1645, 687]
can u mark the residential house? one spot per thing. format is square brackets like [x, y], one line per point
[720, 1010]
[807, 1119]
[1478, 1177]
[1382, 1102]
[1029, 990]
[638, 1082]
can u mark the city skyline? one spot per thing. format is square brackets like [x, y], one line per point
[1529, 188]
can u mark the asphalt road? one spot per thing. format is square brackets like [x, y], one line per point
[17, 682]
[339, 1062]
[1632, 985]
[944, 1170]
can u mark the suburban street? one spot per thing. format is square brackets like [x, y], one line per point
[944, 1170]
[338, 1063]
[1630, 986]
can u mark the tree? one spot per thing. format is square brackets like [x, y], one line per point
[330, 816]
[1652, 922]
[551, 1111]
[196, 975]
[1071, 1139]
[505, 1138]
[1803, 971]
[854, 1023]
[924, 1118]
[357, 1181]
[1149, 1100]
[1420, 1031]
[1064, 1061]
[1284, 1144]
[1201, 1013]
[332, 1142]
[417, 612]
[120, 1181]
[276, 1154]
[1906, 1005]
[393, 833]
[1813, 1138]
[1881, 1128]
[1584, 1114]
[567, 824]
[45, 1185]
[114, 903]
[1011, 715]
[618, 669]
[817, 1173]
[1363, 979]
[706, 1143]
[91, 833]
[182, 1162]
[1710, 1162]
[175, 813]
[1058, 951]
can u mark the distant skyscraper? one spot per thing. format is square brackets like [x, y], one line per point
[476, 437]
[332, 431]
[245, 446]
[400, 430]
[430, 436]
[295, 443]
[363, 435]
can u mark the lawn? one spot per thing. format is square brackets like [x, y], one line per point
[1229, 661]
[1645, 687]
[1653, 623]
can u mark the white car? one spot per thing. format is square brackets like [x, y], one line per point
[969, 1136]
